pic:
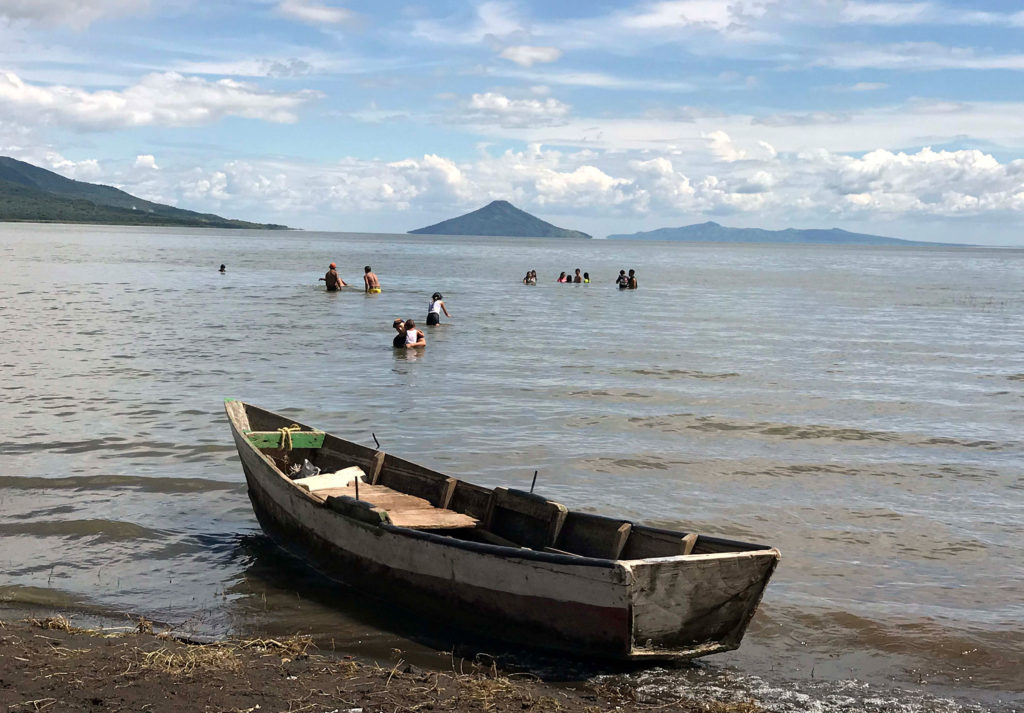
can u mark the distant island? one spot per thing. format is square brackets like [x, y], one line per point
[712, 232]
[32, 194]
[499, 218]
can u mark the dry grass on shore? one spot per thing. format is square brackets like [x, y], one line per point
[50, 665]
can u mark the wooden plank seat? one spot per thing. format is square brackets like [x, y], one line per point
[404, 510]
[299, 439]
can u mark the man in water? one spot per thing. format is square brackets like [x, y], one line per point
[333, 279]
[622, 281]
[371, 281]
[631, 282]
[223, 268]
[578, 278]
[399, 341]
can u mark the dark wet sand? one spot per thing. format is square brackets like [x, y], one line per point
[46, 664]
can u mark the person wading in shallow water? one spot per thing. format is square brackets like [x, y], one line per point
[399, 341]
[631, 282]
[414, 337]
[333, 279]
[434, 311]
[371, 281]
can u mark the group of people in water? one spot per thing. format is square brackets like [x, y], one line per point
[624, 281]
[371, 283]
[408, 336]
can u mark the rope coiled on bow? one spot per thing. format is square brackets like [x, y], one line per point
[286, 436]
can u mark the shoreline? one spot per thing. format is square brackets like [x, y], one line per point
[49, 664]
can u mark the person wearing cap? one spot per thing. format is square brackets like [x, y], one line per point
[434, 311]
[399, 326]
[333, 279]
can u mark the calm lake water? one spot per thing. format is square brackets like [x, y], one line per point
[862, 409]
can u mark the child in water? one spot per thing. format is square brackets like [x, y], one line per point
[414, 337]
[434, 311]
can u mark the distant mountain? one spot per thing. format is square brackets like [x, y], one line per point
[499, 218]
[711, 232]
[30, 193]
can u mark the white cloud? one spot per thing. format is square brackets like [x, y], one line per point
[919, 56]
[168, 99]
[735, 19]
[861, 87]
[598, 80]
[885, 13]
[146, 161]
[491, 21]
[527, 56]
[78, 14]
[515, 113]
[315, 13]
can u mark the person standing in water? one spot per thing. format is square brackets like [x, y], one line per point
[578, 278]
[631, 282]
[223, 268]
[399, 341]
[333, 279]
[434, 311]
[414, 337]
[371, 281]
[622, 281]
[586, 278]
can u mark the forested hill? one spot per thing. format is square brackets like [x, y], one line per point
[499, 218]
[29, 193]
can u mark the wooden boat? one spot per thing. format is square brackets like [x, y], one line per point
[503, 563]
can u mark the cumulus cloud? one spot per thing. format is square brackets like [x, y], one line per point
[146, 161]
[805, 187]
[515, 113]
[314, 13]
[725, 149]
[168, 99]
[78, 14]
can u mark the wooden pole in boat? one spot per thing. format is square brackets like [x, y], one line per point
[534, 481]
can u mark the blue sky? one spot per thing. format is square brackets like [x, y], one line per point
[898, 118]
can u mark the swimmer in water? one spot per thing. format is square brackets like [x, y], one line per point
[586, 278]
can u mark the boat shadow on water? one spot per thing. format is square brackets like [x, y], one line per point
[281, 594]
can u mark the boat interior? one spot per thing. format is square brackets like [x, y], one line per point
[380, 488]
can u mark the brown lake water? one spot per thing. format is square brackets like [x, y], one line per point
[860, 408]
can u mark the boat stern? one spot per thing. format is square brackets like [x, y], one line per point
[695, 605]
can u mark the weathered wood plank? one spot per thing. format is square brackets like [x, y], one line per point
[593, 535]
[432, 519]
[526, 519]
